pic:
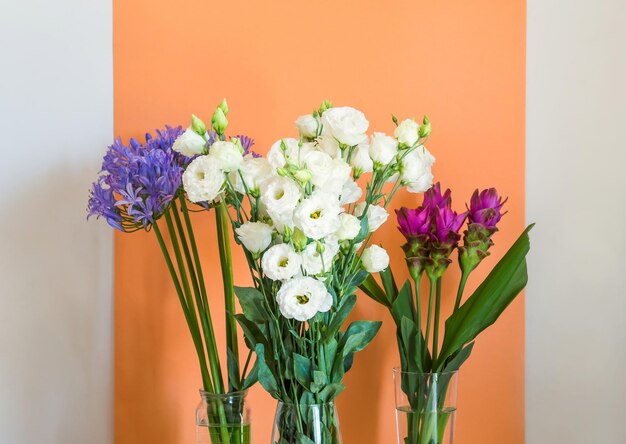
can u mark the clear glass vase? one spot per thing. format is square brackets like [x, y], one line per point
[425, 407]
[306, 424]
[222, 419]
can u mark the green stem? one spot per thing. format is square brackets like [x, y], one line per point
[436, 326]
[417, 313]
[207, 325]
[459, 293]
[195, 334]
[428, 319]
[221, 218]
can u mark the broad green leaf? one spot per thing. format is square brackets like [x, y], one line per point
[252, 377]
[302, 370]
[389, 283]
[251, 331]
[358, 278]
[347, 304]
[319, 381]
[507, 279]
[266, 377]
[331, 391]
[371, 288]
[358, 335]
[403, 305]
[252, 302]
[233, 371]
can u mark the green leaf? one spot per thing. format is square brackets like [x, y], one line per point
[233, 370]
[331, 391]
[266, 377]
[389, 283]
[252, 377]
[403, 305]
[507, 279]
[371, 288]
[358, 335]
[346, 306]
[413, 355]
[302, 370]
[252, 332]
[358, 278]
[319, 381]
[252, 302]
[363, 232]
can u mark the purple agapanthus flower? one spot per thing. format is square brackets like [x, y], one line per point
[447, 226]
[137, 182]
[486, 208]
[414, 222]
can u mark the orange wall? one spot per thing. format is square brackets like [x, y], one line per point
[460, 62]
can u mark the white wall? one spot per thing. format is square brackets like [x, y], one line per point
[56, 114]
[576, 192]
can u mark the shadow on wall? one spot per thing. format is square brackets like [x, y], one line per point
[55, 313]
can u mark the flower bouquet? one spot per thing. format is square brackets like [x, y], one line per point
[305, 226]
[140, 187]
[425, 381]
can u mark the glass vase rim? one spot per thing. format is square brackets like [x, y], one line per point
[398, 370]
[210, 395]
[291, 404]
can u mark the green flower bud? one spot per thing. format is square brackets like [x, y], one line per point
[219, 121]
[425, 129]
[198, 125]
[394, 119]
[320, 247]
[298, 239]
[282, 172]
[302, 176]
[238, 144]
[224, 106]
[324, 106]
[287, 233]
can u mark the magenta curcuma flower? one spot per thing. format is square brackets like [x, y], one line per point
[413, 223]
[485, 208]
[434, 199]
[447, 226]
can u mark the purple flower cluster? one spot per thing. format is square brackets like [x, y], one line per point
[137, 182]
[433, 230]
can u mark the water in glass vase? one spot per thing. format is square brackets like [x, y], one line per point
[425, 427]
[222, 419]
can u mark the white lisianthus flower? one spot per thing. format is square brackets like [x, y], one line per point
[374, 259]
[407, 132]
[294, 154]
[303, 297]
[350, 193]
[349, 228]
[307, 126]
[254, 170]
[337, 177]
[320, 165]
[361, 160]
[227, 154]
[345, 124]
[318, 215]
[280, 196]
[255, 236]
[376, 215]
[189, 143]
[328, 144]
[417, 170]
[383, 148]
[315, 262]
[281, 262]
[203, 179]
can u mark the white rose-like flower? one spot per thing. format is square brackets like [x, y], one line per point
[318, 215]
[374, 259]
[315, 263]
[307, 126]
[328, 144]
[350, 227]
[189, 143]
[376, 215]
[345, 124]
[294, 154]
[281, 262]
[350, 193]
[320, 165]
[339, 175]
[228, 155]
[407, 132]
[254, 170]
[203, 179]
[361, 160]
[383, 148]
[303, 297]
[255, 236]
[280, 196]
[417, 170]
